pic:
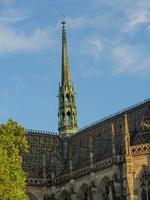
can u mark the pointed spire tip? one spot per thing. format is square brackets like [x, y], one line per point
[63, 19]
[63, 22]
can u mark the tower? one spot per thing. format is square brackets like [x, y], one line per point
[67, 113]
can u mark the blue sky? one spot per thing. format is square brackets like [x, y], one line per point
[109, 54]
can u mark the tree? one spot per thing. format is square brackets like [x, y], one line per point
[12, 177]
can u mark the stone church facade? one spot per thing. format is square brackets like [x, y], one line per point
[108, 160]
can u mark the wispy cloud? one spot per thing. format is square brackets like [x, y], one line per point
[10, 16]
[133, 13]
[90, 71]
[91, 52]
[80, 22]
[117, 4]
[131, 60]
[87, 21]
[125, 58]
[13, 41]
[91, 46]
[137, 16]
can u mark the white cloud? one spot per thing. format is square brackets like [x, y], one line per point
[85, 21]
[12, 41]
[117, 4]
[137, 17]
[90, 51]
[80, 22]
[92, 46]
[88, 71]
[133, 13]
[131, 60]
[12, 16]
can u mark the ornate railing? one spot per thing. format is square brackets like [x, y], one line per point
[103, 164]
[115, 114]
[35, 181]
[140, 149]
[41, 132]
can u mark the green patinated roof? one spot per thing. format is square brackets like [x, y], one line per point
[56, 149]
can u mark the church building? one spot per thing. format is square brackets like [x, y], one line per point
[107, 160]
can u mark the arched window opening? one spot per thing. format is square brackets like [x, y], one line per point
[86, 196]
[65, 196]
[145, 185]
[68, 198]
[62, 99]
[107, 189]
[67, 97]
[63, 117]
[106, 192]
[68, 118]
[31, 196]
[143, 194]
[85, 193]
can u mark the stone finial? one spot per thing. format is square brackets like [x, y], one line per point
[113, 139]
[127, 135]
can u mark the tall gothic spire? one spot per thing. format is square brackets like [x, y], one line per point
[65, 61]
[67, 113]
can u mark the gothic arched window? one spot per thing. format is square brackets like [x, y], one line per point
[106, 192]
[68, 118]
[67, 98]
[65, 195]
[31, 196]
[86, 196]
[85, 193]
[145, 185]
[143, 194]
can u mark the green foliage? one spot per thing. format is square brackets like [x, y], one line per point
[12, 177]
